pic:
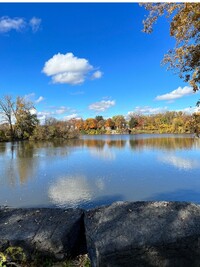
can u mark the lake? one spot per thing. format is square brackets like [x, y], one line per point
[98, 170]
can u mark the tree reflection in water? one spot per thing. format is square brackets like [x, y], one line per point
[25, 156]
[123, 166]
[167, 143]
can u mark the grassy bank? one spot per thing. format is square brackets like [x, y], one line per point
[15, 256]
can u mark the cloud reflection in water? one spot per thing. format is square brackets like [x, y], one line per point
[180, 163]
[73, 191]
[70, 190]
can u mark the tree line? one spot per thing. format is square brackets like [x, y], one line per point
[168, 122]
[18, 121]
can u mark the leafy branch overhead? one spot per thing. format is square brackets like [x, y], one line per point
[184, 58]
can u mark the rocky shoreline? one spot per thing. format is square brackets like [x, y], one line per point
[122, 234]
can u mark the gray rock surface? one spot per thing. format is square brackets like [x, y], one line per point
[54, 232]
[129, 234]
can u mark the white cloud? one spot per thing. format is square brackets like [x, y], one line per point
[29, 97]
[147, 110]
[71, 116]
[7, 24]
[55, 112]
[102, 105]
[35, 24]
[33, 111]
[42, 115]
[97, 74]
[61, 110]
[68, 69]
[189, 110]
[18, 24]
[69, 77]
[178, 93]
[41, 98]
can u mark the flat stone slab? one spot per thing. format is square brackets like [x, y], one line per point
[53, 232]
[144, 234]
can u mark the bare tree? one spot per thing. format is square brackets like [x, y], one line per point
[7, 107]
[18, 114]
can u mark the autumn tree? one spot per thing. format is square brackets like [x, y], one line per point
[133, 122]
[26, 118]
[119, 121]
[55, 129]
[99, 118]
[196, 123]
[50, 121]
[18, 114]
[90, 123]
[79, 124]
[7, 106]
[109, 123]
[184, 58]
[100, 124]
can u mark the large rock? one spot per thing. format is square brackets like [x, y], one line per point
[144, 234]
[53, 232]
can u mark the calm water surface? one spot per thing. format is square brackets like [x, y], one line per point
[98, 170]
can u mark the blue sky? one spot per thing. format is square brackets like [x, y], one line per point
[88, 59]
